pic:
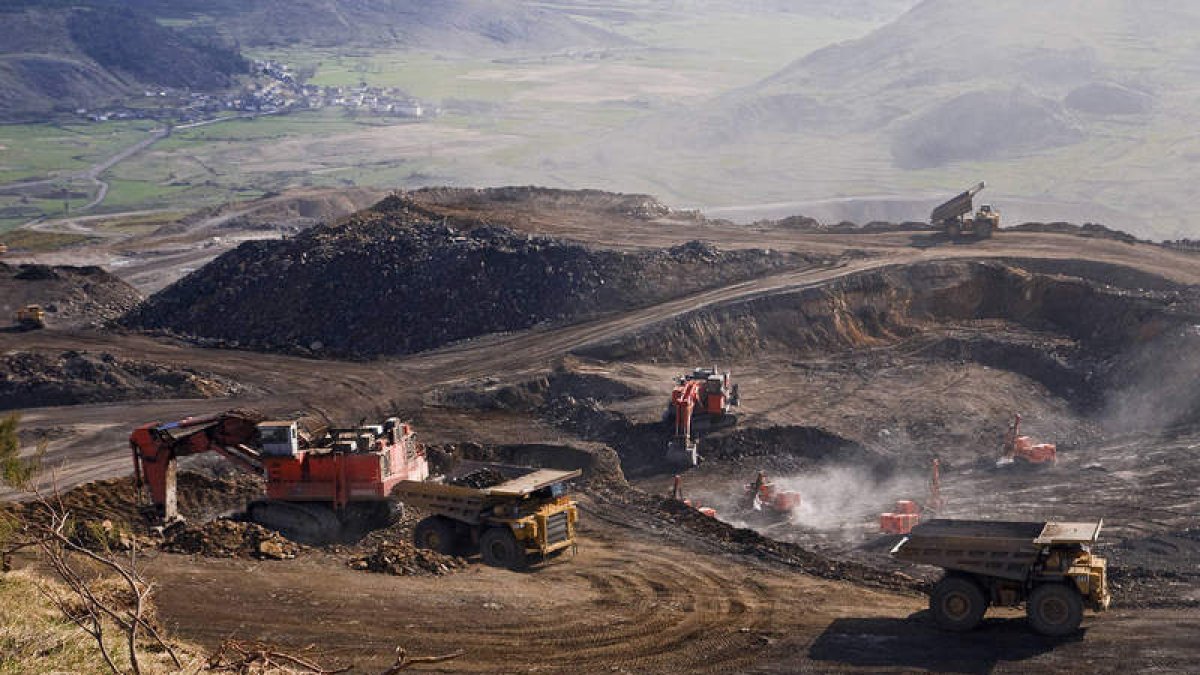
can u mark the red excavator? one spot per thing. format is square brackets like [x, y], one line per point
[1022, 448]
[318, 484]
[700, 399]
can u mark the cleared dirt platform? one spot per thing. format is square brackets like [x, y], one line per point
[853, 375]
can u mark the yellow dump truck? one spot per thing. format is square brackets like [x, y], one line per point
[31, 317]
[1048, 567]
[955, 220]
[511, 515]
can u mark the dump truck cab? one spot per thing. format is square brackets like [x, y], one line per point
[1047, 566]
[523, 515]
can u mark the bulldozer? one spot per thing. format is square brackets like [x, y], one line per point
[954, 216]
[320, 486]
[31, 317]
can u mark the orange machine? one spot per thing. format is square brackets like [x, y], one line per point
[315, 487]
[763, 496]
[908, 513]
[1023, 448]
[702, 398]
[677, 495]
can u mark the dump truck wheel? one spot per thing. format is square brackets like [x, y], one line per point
[1054, 609]
[499, 548]
[983, 229]
[954, 230]
[957, 604]
[437, 533]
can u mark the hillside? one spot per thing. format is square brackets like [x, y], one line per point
[59, 55]
[1049, 103]
[60, 58]
[448, 25]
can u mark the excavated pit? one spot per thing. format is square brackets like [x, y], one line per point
[851, 388]
[1084, 341]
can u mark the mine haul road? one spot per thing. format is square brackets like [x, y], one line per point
[640, 596]
[97, 448]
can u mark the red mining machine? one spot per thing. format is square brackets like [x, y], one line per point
[763, 497]
[908, 513]
[702, 399]
[317, 485]
[677, 495]
[1023, 449]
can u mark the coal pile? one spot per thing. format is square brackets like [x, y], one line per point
[32, 379]
[479, 479]
[403, 559]
[70, 295]
[232, 539]
[398, 279]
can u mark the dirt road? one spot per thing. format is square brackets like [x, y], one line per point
[643, 596]
[343, 387]
[631, 602]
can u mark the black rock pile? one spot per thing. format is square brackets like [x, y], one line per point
[38, 378]
[395, 279]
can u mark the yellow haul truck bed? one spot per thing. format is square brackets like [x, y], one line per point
[527, 515]
[1048, 567]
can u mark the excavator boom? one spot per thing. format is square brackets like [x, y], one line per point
[156, 448]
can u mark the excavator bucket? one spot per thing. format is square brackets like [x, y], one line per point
[683, 452]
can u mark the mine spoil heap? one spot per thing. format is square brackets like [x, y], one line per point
[397, 279]
[71, 377]
[75, 295]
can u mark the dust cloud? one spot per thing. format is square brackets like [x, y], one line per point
[832, 497]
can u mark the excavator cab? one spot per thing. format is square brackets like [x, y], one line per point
[279, 439]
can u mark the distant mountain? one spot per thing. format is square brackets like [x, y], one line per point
[58, 55]
[1006, 73]
[616, 9]
[449, 25]
[61, 58]
[1058, 103]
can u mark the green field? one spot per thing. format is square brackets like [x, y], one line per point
[36, 151]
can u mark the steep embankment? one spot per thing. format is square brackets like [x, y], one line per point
[1117, 353]
[399, 278]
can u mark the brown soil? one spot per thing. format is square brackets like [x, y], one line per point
[853, 376]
